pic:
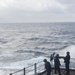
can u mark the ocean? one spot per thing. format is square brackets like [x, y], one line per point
[24, 41]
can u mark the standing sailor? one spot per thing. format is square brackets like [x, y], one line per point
[67, 62]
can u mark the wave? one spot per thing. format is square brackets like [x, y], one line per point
[71, 49]
[36, 53]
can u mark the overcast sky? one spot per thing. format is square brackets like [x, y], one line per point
[18, 11]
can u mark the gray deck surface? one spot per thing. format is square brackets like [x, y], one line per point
[62, 73]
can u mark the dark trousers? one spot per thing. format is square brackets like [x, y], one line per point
[67, 68]
[48, 72]
[57, 70]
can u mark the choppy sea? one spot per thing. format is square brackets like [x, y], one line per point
[24, 41]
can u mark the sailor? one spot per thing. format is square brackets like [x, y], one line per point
[47, 66]
[67, 62]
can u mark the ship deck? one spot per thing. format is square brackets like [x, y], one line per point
[72, 72]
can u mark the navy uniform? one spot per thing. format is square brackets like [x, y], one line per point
[47, 67]
[67, 62]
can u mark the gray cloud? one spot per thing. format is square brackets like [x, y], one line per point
[37, 10]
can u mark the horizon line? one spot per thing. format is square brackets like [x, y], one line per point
[37, 22]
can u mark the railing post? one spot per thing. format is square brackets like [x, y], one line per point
[24, 71]
[35, 68]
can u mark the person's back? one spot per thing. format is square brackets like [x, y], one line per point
[57, 64]
[47, 67]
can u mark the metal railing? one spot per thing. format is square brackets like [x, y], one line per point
[34, 69]
[37, 68]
